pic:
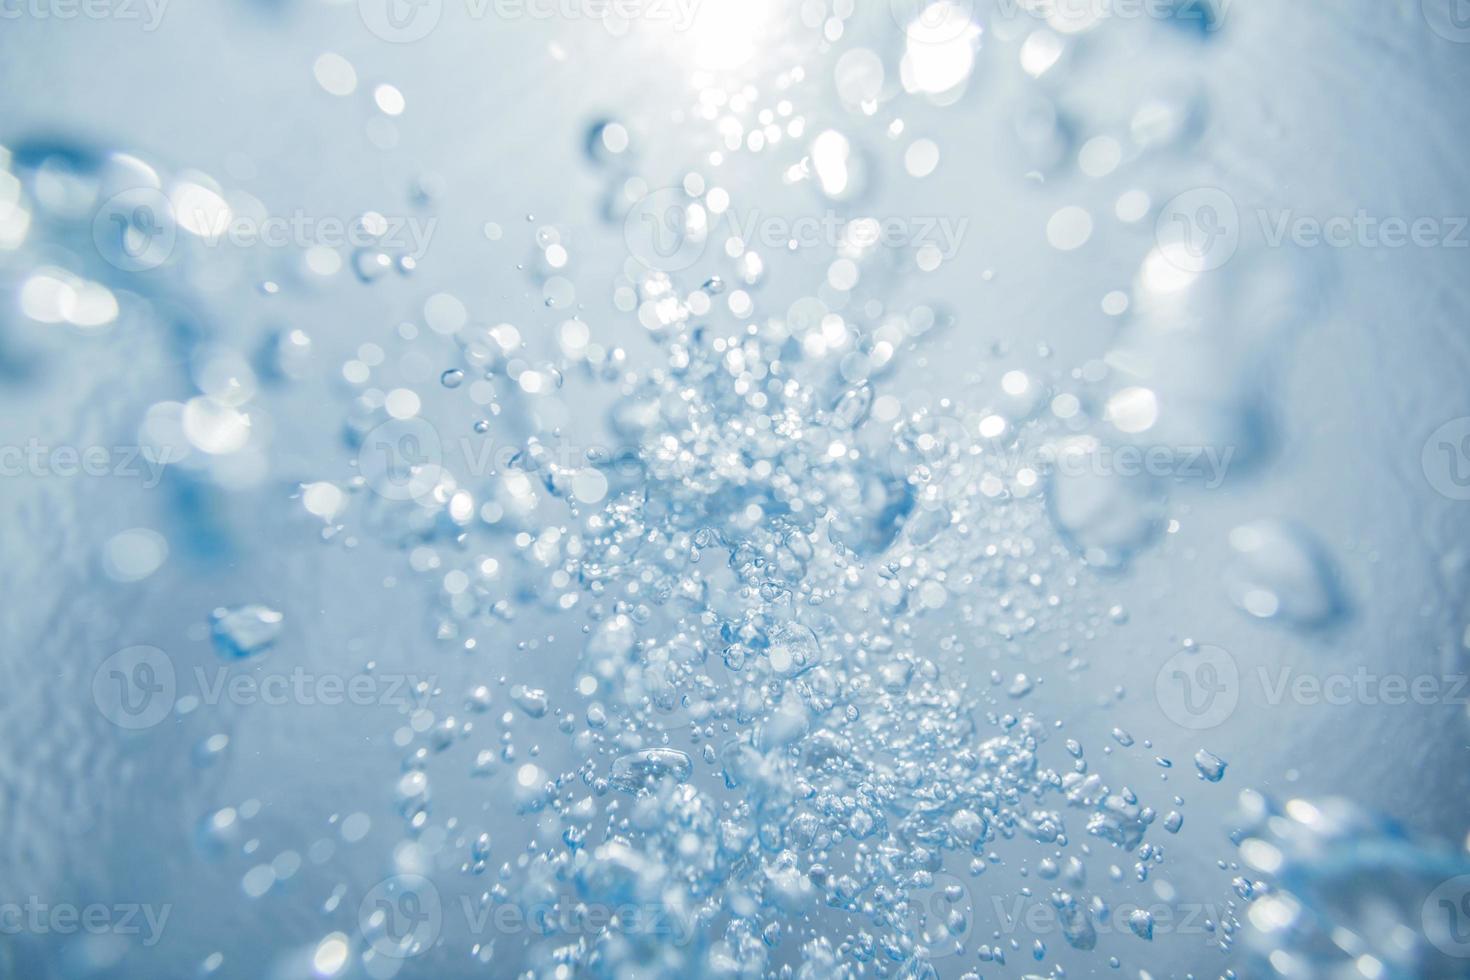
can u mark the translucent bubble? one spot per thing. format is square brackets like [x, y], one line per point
[607, 141]
[335, 74]
[647, 768]
[215, 427]
[859, 76]
[131, 556]
[921, 158]
[589, 486]
[444, 313]
[389, 99]
[244, 631]
[1069, 229]
[1278, 572]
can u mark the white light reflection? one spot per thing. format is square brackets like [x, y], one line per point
[726, 34]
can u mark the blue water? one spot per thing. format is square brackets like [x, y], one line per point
[694, 488]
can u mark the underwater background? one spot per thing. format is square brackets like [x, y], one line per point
[734, 488]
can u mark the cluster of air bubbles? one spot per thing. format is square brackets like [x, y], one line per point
[755, 730]
[758, 636]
